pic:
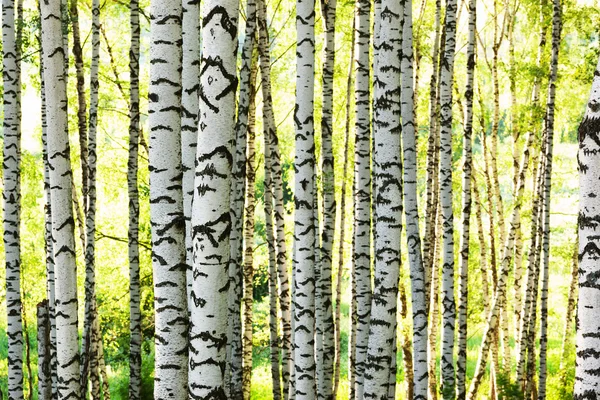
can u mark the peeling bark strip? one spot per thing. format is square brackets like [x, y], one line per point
[381, 352]
[304, 284]
[448, 302]
[166, 201]
[587, 362]
[135, 328]
[11, 195]
[62, 206]
[362, 193]
[211, 223]
[461, 364]
[415, 257]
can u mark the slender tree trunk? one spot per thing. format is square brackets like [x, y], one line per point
[432, 159]
[94, 339]
[434, 311]
[249, 238]
[549, 136]
[381, 354]
[271, 243]
[327, 324]
[211, 224]
[190, 82]
[448, 303]
[485, 296]
[567, 342]
[463, 286]
[43, 340]
[166, 203]
[49, 242]
[27, 354]
[305, 193]
[341, 258]
[12, 196]
[135, 342]
[68, 384]
[361, 256]
[417, 271]
[271, 140]
[234, 368]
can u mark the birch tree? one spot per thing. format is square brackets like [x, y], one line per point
[448, 302]
[135, 328]
[272, 156]
[60, 175]
[211, 224]
[361, 257]
[11, 193]
[381, 351]
[304, 195]
[166, 202]
[461, 365]
[417, 271]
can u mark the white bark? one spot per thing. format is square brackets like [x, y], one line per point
[166, 202]
[211, 223]
[62, 207]
[11, 194]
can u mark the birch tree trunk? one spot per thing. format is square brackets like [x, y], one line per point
[463, 285]
[49, 242]
[326, 324]
[271, 141]
[381, 354]
[135, 328]
[567, 342]
[43, 340]
[249, 237]
[362, 192]
[62, 207]
[273, 293]
[304, 195]
[211, 225]
[549, 136]
[448, 302]
[234, 370]
[190, 82]
[417, 271]
[11, 194]
[166, 202]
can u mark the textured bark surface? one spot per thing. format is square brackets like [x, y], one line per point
[448, 302]
[211, 225]
[233, 372]
[43, 340]
[381, 351]
[166, 202]
[418, 378]
[250, 207]
[361, 256]
[190, 83]
[304, 198]
[11, 194]
[53, 50]
[135, 316]
[549, 137]
[271, 141]
[463, 285]
[326, 320]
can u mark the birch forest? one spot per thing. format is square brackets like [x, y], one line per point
[300, 199]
